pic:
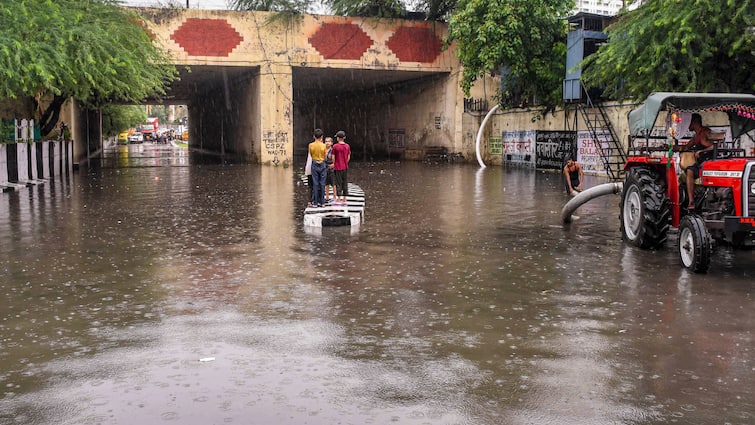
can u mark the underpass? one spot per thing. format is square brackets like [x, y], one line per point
[256, 87]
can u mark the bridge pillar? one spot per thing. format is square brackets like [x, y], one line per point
[275, 104]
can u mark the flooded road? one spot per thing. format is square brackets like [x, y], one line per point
[154, 289]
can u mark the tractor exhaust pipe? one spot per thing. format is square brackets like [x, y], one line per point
[587, 195]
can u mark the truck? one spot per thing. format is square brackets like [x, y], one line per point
[653, 194]
[149, 129]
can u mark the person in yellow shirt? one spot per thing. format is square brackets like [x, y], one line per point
[317, 150]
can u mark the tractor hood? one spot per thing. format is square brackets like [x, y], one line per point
[739, 107]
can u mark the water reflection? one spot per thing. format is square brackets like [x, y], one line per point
[461, 299]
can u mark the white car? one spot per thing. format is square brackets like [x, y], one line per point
[136, 137]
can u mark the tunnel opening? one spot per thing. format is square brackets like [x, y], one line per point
[385, 113]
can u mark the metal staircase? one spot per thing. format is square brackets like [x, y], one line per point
[607, 142]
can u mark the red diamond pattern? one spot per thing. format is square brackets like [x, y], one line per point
[340, 41]
[207, 37]
[415, 44]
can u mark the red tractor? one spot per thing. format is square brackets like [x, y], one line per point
[654, 195]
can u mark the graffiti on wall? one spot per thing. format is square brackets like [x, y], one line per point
[275, 143]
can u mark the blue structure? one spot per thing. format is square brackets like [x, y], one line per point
[584, 37]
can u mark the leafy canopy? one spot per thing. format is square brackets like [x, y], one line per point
[432, 9]
[117, 118]
[525, 36]
[92, 50]
[677, 45]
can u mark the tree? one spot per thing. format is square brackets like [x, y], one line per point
[368, 8]
[161, 112]
[675, 45]
[117, 118]
[527, 37]
[285, 6]
[431, 9]
[92, 50]
[436, 10]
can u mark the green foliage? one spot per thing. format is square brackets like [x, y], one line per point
[526, 36]
[286, 6]
[432, 9]
[371, 8]
[436, 10]
[117, 118]
[92, 50]
[161, 112]
[675, 45]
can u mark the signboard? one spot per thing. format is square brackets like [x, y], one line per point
[519, 148]
[588, 151]
[495, 146]
[553, 147]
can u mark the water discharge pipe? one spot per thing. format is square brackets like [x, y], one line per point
[587, 195]
[479, 135]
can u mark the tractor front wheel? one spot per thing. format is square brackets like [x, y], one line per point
[695, 244]
[644, 210]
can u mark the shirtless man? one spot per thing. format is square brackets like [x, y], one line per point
[573, 176]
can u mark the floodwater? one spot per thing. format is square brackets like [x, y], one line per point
[154, 289]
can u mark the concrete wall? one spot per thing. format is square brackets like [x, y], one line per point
[270, 133]
[398, 120]
[522, 119]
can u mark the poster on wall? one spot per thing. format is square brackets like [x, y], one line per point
[519, 148]
[553, 147]
[588, 151]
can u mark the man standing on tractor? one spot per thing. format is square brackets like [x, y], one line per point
[702, 146]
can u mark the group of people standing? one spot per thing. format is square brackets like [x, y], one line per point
[326, 169]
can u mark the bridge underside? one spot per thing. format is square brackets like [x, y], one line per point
[226, 104]
[256, 87]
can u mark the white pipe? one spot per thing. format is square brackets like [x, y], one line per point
[587, 195]
[479, 134]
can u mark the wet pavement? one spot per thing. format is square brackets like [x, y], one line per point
[158, 289]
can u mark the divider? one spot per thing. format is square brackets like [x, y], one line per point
[3, 165]
[31, 163]
[56, 158]
[44, 165]
[22, 159]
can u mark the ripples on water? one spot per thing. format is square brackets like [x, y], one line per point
[462, 299]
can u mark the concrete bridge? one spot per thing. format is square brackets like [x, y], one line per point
[257, 86]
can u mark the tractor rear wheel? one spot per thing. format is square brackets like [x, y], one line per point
[695, 244]
[644, 210]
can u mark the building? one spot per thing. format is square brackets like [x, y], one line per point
[599, 7]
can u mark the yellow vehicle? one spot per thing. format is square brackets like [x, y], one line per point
[123, 138]
[185, 135]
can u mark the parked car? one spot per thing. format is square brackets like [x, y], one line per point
[185, 135]
[123, 138]
[137, 137]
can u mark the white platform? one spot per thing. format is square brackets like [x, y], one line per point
[351, 214]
